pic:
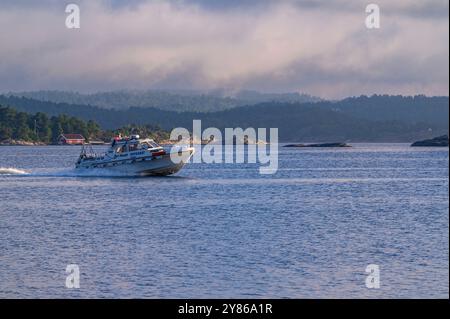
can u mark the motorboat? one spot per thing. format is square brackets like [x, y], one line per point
[135, 156]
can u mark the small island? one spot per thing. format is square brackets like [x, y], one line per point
[319, 145]
[440, 141]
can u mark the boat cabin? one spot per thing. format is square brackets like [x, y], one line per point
[132, 144]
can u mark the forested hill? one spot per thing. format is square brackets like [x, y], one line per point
[399, 108]
[371, 119]
[180, 101]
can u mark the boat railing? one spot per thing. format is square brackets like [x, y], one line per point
[87, 152]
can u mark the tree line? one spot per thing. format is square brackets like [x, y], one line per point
[39, 127]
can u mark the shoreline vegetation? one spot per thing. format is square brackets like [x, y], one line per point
[24, 129]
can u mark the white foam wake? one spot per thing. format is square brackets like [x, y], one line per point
[101, 172]
[82, 173]
[12, 171]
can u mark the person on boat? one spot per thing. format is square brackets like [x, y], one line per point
[116, 139]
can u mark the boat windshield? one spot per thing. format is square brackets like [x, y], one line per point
[134, 146]
[149, 144]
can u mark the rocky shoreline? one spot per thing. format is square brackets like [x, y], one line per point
[440, 141]
[21, 143]
[162, 142]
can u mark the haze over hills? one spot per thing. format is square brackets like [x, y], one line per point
[169, 100]
[379, 118]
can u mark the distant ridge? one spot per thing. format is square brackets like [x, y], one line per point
[176, 100]
[378, 118]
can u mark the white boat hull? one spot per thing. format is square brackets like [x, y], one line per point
[160, 166]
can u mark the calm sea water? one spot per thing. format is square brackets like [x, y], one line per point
[221, 230]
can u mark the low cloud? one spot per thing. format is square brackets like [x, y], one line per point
[318, 47]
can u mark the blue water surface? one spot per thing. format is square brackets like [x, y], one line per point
[224, 230]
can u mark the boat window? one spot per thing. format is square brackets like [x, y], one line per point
[133, 147]
[153, 144]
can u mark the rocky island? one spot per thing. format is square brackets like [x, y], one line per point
[319, 145]
[440, 141]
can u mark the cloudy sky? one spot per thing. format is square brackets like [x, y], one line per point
[321, 47]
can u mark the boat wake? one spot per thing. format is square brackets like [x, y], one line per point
[72, 172]
[12, 171]
[98, 173]
[84, 173]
